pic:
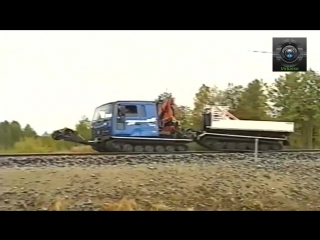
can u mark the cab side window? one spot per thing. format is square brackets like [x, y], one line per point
[131, 111]
[135, 111]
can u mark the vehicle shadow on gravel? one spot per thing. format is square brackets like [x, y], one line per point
[159, 187]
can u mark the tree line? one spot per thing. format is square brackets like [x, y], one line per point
[294, 97]
[17, 139]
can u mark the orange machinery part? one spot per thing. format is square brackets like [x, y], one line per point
[166, 115]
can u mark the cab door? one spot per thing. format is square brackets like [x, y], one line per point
[140, 120]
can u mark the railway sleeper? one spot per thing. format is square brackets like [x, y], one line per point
[137, 146]
[217, 144]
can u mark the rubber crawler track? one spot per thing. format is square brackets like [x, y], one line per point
[153, 153]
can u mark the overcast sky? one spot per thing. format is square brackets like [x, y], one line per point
[49, 79]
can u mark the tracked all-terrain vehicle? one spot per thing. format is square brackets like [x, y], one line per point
[149, 126]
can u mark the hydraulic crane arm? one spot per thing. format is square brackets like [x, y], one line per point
[166, 113]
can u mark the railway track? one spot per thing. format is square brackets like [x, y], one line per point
[151, 153]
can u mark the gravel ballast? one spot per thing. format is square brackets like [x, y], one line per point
[99, 160]
[224, 181]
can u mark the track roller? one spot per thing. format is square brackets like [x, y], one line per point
[127, 148]
[138, 148]
[149, 148]
[169, 148]
[160, 148]
[116, 146]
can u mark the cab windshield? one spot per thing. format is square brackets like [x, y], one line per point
[103, 112]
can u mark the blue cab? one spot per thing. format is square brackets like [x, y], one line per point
[126, 119]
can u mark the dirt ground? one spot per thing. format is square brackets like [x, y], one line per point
[180, 187]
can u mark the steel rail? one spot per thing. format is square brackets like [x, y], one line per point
[151, 153]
